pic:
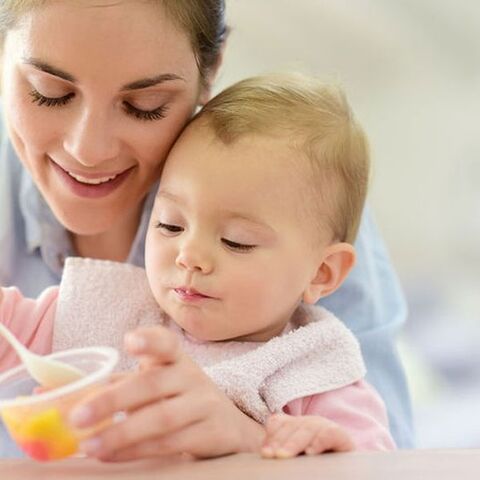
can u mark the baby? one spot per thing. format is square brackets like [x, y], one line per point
[253, 223]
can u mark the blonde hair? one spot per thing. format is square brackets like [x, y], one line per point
[202, 20]
[318, 123]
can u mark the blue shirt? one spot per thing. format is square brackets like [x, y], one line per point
[33, 246]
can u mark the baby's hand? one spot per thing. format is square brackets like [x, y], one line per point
[171, 407]
[288, 436]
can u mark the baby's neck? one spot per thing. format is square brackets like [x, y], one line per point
[258, 338]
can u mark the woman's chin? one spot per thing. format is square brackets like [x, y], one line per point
[87, 224]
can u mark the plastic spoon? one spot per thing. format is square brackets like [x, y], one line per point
[47, 372]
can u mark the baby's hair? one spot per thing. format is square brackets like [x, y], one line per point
[316, 119]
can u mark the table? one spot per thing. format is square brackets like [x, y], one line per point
[402, 465]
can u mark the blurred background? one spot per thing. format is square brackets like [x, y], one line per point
[411, 69]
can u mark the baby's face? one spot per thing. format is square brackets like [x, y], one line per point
[229, 252]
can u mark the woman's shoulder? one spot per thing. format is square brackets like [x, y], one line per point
[10, 167]
[12, 227]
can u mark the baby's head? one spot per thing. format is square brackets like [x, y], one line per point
[258, 206]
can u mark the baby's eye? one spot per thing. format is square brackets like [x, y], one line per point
[241, 247]
[169, 229]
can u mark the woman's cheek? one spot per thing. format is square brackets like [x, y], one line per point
[35, 130]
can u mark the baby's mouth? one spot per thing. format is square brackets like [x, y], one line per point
[190, 292]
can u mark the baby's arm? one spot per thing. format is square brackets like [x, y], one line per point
[353, 416]
[30, 320]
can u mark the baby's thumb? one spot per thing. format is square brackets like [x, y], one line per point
[153, 345]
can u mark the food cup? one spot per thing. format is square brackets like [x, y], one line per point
[38, 422]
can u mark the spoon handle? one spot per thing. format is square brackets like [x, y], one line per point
[12, 340]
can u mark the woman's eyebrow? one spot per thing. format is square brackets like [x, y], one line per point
[150, 82]
[136, 85]
[47, 68]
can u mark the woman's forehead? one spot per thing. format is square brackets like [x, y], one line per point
[144, 13]
[130, 17]
[127, 38]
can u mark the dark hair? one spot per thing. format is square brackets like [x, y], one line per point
[204, 22]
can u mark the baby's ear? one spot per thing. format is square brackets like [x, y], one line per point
[337, 261]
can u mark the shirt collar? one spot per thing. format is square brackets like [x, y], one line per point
[40, 223]
[44, 232]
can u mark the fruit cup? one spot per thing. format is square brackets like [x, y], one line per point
[38, 422]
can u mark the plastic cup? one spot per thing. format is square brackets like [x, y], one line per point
[38, 422]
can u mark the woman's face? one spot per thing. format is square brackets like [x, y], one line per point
[94, 95]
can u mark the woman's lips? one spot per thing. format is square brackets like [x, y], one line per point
[88, 185]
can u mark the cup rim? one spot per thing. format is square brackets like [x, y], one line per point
[110, 353]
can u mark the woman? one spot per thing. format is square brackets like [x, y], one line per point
[94, 93]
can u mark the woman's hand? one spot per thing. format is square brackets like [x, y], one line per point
[172, 407]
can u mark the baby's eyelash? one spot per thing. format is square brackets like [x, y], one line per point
[156, 114]
[40, 99]
[168, 227]
[238, 246]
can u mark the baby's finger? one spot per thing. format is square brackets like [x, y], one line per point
[274, 440]
[117, 377]
[282, 431]
[149, 449]
[141, 427]
[195, 440]
[174, 444]
[331, 439]
[275, 422]
[296, 443]
[130, 393]
[157, 343]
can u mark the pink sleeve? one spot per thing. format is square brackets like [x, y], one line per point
[30, 320]
[357, 408]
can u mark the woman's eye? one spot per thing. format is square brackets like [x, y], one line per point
[168, 228]
[242, 247]
[155, 114]
[40, 99]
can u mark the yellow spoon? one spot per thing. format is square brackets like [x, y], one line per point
[47, 372]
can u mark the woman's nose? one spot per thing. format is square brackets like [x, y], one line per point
[91, 140]
[193, 257]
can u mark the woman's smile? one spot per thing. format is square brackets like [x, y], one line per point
[105, 114]
[88, 185]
